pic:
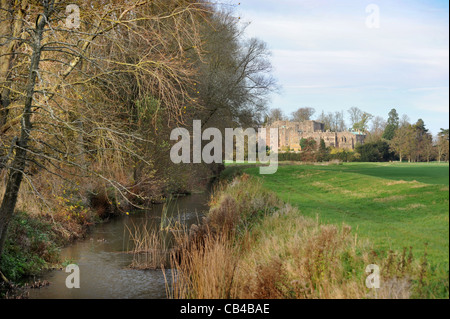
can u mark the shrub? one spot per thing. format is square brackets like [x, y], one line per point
[29, 246]
[375, 152]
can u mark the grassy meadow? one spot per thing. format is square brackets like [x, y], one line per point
[310, 231]
[394, 206]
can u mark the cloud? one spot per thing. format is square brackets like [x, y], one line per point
[323, 49]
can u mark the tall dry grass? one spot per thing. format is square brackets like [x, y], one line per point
[296, 257]
[206, 270]
[150, 246]
[152, 243]
[252, 246]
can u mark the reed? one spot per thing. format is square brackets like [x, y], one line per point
[150, 246]
[205, 271]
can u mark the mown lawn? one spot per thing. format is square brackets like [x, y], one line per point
[392, 205]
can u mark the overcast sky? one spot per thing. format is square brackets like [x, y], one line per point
[326, 57]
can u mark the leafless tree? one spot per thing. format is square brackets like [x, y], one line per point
[69, 95]
[442, 145]
[235, 77]
[334, 122]
[303, 114]
[377, 130]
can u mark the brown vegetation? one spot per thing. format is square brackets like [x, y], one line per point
[92, 107]
[252, 246]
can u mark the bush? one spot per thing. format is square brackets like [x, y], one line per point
[343, 156]
[290, 157]
[375, 152]
[29, 246]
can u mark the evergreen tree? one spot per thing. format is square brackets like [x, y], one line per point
[392, 125]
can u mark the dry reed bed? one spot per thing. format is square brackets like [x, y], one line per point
[253, 246]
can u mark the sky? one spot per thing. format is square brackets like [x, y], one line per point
[376, 55]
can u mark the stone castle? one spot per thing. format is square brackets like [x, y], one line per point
[290, 134]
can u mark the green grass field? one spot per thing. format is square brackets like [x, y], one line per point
[392, 205]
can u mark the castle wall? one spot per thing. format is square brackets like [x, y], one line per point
[290, 134]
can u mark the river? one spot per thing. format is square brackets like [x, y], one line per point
[104, 267]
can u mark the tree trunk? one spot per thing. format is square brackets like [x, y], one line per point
[5, 57]
[16, 171]
[11, 26]
[80, 143]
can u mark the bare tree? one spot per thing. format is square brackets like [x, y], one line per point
[403, 142]
[75, 90]
[442, 145]
[12, 16]
[276, 115]
[355, 115]
[378, 125]
[303, 114]
[359, 119]
[377, 129]
[405, 120]
[327, 120]
[333, 122]
[428, 147]
[235, 76]
[339, 121]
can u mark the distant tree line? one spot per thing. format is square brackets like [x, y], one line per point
[394, 139]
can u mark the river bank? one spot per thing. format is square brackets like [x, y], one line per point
[55, 214]
[39, 237]
[104, 260]
[252, 245]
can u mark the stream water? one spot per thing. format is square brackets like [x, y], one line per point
[104, 265]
